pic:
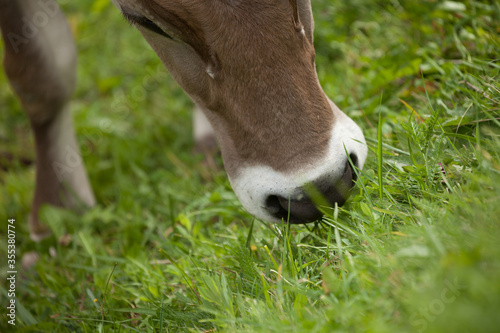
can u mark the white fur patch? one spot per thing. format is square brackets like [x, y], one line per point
[210, 72]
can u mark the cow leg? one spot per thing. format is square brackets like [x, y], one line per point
[40, 63]
[203, 132]
[205, 141]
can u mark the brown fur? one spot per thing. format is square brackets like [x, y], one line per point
[265, 96]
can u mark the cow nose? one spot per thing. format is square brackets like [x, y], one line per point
[300, 208]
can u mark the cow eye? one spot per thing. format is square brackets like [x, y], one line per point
[146, 23]
[150, 25]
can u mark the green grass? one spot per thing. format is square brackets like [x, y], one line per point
[170, 249]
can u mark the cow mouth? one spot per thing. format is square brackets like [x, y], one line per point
[302, 207]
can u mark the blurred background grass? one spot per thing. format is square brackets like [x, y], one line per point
[419, 253]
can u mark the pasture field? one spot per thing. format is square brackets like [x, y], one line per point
[169, 248]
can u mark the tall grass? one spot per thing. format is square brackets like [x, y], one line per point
[415, 248]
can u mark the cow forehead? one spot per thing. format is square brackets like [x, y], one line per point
[220, 18]
[240, 31]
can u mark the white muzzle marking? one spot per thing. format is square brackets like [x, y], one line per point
[255, 184]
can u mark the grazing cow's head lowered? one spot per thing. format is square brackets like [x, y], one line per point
[250, 66]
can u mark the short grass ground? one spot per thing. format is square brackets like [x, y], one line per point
[170, 249]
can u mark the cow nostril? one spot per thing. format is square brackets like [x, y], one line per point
[301, 208]
[273, 206]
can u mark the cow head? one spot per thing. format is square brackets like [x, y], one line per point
[251, 66]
